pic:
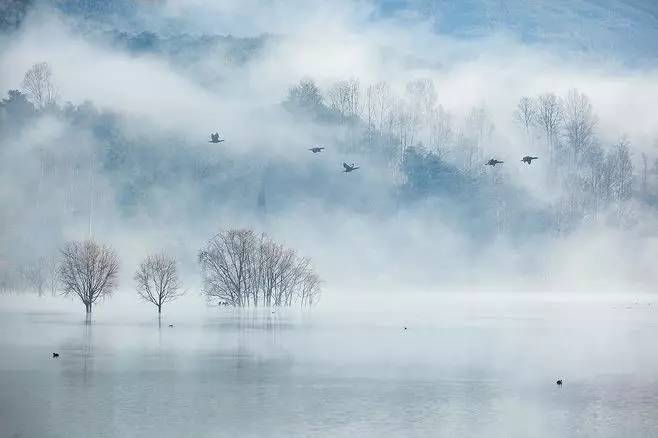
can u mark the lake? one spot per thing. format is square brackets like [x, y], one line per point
[466, 366]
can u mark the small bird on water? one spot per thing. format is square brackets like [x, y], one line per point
[559, 382]
[55, 355]
[171, 325]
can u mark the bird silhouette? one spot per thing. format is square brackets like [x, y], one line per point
[55, 355]
[349, 167]
[559, 382]
[493, 162]
[316, 149]
[214, 138]
[528, 159]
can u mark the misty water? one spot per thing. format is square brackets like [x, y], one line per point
[468, 365]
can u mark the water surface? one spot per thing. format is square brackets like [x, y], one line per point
[464, 367]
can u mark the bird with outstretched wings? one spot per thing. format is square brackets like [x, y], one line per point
[214, 138]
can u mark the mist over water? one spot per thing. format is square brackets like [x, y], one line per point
[484, 365]
[453, 294]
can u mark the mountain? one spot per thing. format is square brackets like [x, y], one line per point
[624, 29]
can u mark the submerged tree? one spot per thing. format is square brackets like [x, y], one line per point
[244, 269]
[89, 271]
[157, 280]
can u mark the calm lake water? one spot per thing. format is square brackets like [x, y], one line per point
[477, 367]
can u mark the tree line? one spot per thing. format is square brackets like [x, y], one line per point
[239, 268]
[593, 178]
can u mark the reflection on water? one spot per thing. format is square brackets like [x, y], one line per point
[461, 370]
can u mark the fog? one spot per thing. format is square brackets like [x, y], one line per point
[514, 273]
[173, 106]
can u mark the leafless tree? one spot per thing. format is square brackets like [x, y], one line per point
[382, 105]
[477, 132]
[344, 97]
[526, 114]
[620, 175]
[35, 276]
[441, 133]
[52, 272]
[89, 271]
[225, 266]
[244, 269]
[422, 99]
[579, 124]
[549, 118]
[156, 280]
[38, 85]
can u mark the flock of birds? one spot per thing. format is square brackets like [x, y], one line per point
[214, 138]
[527, 159]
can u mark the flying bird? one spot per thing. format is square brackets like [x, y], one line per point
[349, 167]
[316, 149]
[214, 138]
[493, 162]
[528, 159]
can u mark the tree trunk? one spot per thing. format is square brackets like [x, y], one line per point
[159, 309]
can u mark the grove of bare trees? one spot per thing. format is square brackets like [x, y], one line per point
[88, 270]
[244, 269]
[157, 280]
[591, 178]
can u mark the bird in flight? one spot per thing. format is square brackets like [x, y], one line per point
[349, 167]
[528, 159]
[493, 162]
[316, 149]
[214, 138]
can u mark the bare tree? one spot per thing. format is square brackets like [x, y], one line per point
[224, 264]
[89, 271]
[579, 124]
[38, 85]
[620, 168]
[549, 118]
[422, 99]
[244, 269]
[157, 280]
[526, 114]
[35, 276]
[441, 133]
[382, 105]
[344, 97]
[477, 133]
